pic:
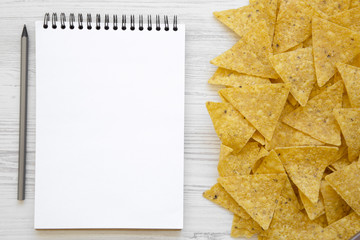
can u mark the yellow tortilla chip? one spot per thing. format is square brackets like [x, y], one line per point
[259, 138]
[293, 25]
[218, 195]
[241, 163]
[269, 7]
[344, 228]
[257, 194]
[244, 227]
[351, 78]
[250, 55]
[292, 100]
[331, 7]
[317, 90]
[308, 42]
[349, 121]
[341, 163]
[306, 165]
[260, 104]
[290, 223]
[286, 136]
[335, 207]
[263, 153]
[332, 44]
[322, 221]
[346, 183]
[230, 78]
[296, 68]
[346, 101]
[316, 118]
[272, 164]
[313, 210]
[231, 127]
[349, 19]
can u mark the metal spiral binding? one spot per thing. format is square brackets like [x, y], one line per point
[62, 20]
[107, 22]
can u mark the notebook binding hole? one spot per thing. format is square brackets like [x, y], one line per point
[106, 25]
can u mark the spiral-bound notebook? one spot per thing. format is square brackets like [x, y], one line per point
[109, 122]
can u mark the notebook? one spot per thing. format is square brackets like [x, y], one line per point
[109, 122]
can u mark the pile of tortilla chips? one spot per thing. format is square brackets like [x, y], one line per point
[289, 120]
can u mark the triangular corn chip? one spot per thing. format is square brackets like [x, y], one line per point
[306, 165]
[344, 228]
[335, 207]
[231, 127]
[244, 227]
[313, 210]
[293, 25]
[351, 78]
[260, 104]
[257, 194]
[259, 138]
[331, 7]
[286, 136]
[341, 163]
[292, 100]
[346, 183]
[290, 223]
[243, 19]
[218, 195]
[349, 19]
[296, 68]
[250, 55]
[272, 164]
[230, 78]
[332, 44]
[316, 118]
[349, 121]
[241, 163]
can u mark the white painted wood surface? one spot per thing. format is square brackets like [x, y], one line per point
[205, 39]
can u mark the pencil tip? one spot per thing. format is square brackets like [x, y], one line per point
[24, 32]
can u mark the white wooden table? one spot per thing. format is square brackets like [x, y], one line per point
[205, 39]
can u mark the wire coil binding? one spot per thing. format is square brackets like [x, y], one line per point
[107, 23]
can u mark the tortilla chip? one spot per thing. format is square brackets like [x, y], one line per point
[349, 121]
[308, 42]
[263, 153]
[345, 228]
[331, 7]
[293, 25]
[260, 104]
[244, 227]
[259, 138]
[346, 101]
[317, 90]
[341, 163]
[241, 163]
[346, 183]
[296, 68]
[349, 19]
[316, 118]
[332, 44]
[230, 78]
[351, 78]
[231, 127]
[335, 207]
[313, 210]
[250, 55]
[257, 194]
[218, 195]
[272, 164]
[243, 19]
[306, 165]
[290, 223]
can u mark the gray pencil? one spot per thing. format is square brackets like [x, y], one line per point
[23, 113]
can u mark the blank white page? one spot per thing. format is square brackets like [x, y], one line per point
[109, 128]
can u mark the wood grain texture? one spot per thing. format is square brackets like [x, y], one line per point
[205, 39]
